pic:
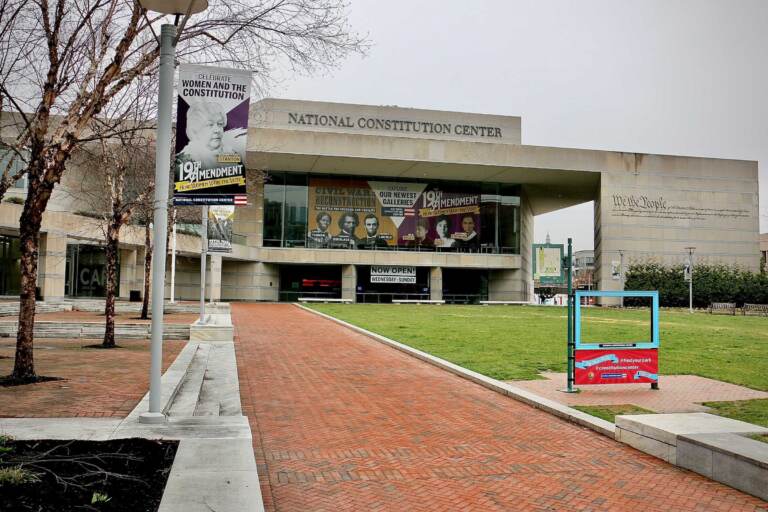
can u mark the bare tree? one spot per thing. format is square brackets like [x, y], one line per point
[126, 163]
[147, 214]
[65, 63]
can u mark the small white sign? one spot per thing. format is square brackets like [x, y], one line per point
[616, 270]
[395, 274]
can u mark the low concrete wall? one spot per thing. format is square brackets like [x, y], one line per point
[731, 459]
[710, 445]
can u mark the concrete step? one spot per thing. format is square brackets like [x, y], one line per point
[186, 400]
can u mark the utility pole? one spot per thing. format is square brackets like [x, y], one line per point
[173, 259]
[167, 42]
[621, 273]
[689, 277]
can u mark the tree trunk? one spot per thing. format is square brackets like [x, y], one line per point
[113, 234]
[147, 270]
[29, 237]
[24, 364]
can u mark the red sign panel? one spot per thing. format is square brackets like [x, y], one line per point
[617, 366]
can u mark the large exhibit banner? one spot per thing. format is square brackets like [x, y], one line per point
[220, 219]
[548, 263]
[360, 214]
[617, 366]
[395, 274]
[211, 130]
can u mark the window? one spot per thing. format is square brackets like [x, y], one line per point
[7, 156]
[274, 190]
[352, 212]
[86, 271]
[10, 265]
[509, 219]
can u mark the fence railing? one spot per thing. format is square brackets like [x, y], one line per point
[387, 298]
[303, 244]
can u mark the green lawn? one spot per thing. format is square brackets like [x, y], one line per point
[609, 412]
[513, 342]
[751, 411]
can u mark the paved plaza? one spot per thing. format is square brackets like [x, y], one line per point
[95, 382]
[341, 422]
[676, 393]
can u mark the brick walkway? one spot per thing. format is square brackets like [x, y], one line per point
[97, 383]
[677, 393]
[341, 422]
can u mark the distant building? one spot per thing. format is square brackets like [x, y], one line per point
[764, 250]
[584, 270]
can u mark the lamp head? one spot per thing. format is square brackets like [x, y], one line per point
[175, 6]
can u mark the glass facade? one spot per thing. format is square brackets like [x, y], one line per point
[86, 271]
[345, 212]
[16, 164]
[316, 281]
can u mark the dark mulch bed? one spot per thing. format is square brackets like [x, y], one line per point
[99, 345]
[7, 381]
[115, 476]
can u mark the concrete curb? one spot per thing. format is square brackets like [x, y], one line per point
[561, 411]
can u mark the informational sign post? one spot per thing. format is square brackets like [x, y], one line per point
[611, 362]
[548, 264]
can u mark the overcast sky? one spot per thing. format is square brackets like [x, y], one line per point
[657, 76]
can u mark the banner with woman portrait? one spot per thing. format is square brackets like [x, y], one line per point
[211, 130]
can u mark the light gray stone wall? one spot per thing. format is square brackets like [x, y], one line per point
[349, 282]
[381, 121]
[435, 283]
[659, 205]
[127, 272]
[247, 280]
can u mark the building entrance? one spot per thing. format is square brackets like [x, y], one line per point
[369, 290]
[465, 286]
[315, 281]
[10, 269]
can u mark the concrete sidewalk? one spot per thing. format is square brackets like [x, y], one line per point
[677, 393]
[341, 422]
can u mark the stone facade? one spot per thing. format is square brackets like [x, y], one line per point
[649, 207]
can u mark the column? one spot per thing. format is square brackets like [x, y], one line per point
[268, 282]
[436, 283]
[52, 265]
[349, 282]
[127, 272]
[508, 285]
[138, 275]
[249, 220]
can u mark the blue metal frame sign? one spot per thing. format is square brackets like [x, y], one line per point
[640, 344]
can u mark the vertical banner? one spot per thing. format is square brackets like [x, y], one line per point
[220, 228]
[211, 130]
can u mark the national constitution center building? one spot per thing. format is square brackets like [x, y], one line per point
[374, 204]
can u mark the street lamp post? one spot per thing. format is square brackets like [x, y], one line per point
[690, 278]
[621, 273]
[155, 413]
